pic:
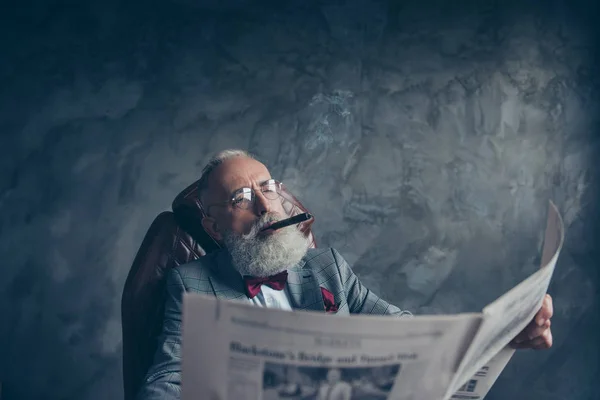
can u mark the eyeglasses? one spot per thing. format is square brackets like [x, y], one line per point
[244, 198]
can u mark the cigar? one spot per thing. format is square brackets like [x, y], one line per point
[289, 221]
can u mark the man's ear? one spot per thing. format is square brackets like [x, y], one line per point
[210, 226]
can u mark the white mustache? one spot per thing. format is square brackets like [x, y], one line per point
[259, 225]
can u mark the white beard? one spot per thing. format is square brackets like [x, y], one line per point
[263, 256]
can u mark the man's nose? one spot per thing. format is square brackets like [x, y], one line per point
[262, 205]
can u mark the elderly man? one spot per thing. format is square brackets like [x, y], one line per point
[334, 388]
[267, 268]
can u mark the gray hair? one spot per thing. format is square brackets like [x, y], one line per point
[214, 162]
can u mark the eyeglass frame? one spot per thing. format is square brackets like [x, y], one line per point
[280, 189]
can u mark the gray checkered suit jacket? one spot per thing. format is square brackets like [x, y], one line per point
[214, 275]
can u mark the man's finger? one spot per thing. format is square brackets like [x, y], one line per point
[536, 331]
[548, 339]
[531, 331]
[542, 342]
[546, 311]
[539, 343]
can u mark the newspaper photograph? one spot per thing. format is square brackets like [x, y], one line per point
[234, 350]
[285, 381]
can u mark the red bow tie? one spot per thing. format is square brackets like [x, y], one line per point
[254, 284]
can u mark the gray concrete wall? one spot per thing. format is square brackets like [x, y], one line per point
[427, 139]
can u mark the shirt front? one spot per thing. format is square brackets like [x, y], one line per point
[272, 298]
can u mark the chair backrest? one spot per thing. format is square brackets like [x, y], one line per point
[174, 238]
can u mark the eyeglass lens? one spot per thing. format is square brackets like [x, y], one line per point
[245, 197]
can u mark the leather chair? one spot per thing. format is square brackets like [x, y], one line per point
[174, 238]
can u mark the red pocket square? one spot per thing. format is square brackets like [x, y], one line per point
[328, 301]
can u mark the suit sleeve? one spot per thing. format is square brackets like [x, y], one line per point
[361, 300]
[163, 380]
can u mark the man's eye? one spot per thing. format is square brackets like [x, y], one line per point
[241, 199]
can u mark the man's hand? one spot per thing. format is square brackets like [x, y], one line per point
[537, 334]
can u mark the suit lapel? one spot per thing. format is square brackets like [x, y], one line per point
[226, 282]
[304, 289]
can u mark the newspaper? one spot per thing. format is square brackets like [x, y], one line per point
[237, 351]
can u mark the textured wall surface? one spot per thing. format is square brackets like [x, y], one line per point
[427, 140]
